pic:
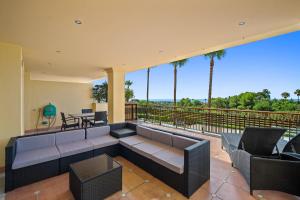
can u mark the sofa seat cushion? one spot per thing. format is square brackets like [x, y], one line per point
[103, 141]
[68, 149]
[148, 148]
[132, 140]
[170, 158]
[124, 132]
[32, 157]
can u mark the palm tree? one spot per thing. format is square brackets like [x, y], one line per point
[216, 54]
[285, 95]
[128, 83]
[297, 92]
[178, 63]
[148, 79]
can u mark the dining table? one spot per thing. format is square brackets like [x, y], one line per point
[83, 117]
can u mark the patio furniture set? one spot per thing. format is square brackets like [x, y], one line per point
[265, 161]
[181, 162]
[87, 117]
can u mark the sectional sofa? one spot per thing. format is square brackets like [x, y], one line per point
[181, 162]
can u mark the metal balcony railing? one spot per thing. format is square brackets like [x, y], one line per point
[213, 120]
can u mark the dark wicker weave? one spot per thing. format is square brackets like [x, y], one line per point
[64, 163]
[253, 154]
[98, 185]
[112, 150]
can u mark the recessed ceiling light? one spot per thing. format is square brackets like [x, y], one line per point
[77, 21]
[242, 23]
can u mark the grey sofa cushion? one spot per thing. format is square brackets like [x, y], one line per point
[144, 131]
[35, 142]
[69, 136]
[72, 148]
[148, 148]
[162, 137]
[97, 132]
[171, 158]
[132, 140]
[103, 141]
[32, 157]
[181, 142]
[124, 132]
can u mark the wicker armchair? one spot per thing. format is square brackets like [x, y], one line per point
[252, 153]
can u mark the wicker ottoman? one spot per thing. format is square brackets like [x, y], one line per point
[95, 178]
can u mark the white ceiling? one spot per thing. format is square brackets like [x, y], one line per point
[134, 34]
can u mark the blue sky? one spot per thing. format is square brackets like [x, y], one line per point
[272, 63]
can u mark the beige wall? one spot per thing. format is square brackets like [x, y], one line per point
[116, 95]
[100, 106]
[67, 97]
[10, 94]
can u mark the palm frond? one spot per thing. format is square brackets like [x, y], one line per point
[216, 54]
[179, 63]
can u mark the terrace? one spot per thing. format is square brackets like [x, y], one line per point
[50, 52]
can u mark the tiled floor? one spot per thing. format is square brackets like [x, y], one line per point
[225, 183]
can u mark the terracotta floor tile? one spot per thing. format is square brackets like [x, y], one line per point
[213, 185]
[201, 194]
[235, 178]
[273, 195]
[230, 192]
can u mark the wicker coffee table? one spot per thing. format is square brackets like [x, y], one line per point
[95, 178]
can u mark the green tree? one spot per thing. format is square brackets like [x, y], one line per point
[219, 55]
[264, 94]
[263, 105]
[246, 100]
[129, 94]
[99, 92]
[285, 95]
[185, 102]
[177, 64]
[128, 83]
[219, 102]
[234, 101]
[297, 93]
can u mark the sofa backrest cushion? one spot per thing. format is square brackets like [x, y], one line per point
[97, 132]
[144, 131]
[181, 142]
[35, 142]
[69, 136]
[162, 137]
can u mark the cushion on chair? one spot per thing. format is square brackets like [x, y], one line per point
[148, 148]
[144, 131]
[69, 136]
[171, 158]
[181, 142]
[32, 157]
[103, 141]
[162, 137]
[124, 132]
[132, 140]
[35, 142]
[72, 148]
[97, 132]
